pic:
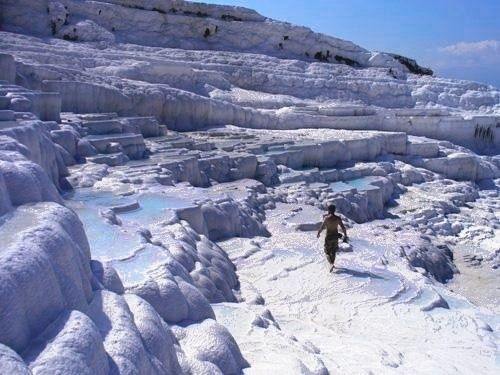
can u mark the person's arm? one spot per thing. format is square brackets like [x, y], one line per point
[321, 228]
[343, 230]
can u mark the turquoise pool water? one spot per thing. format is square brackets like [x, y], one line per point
[111, 242]
[134, 270]
[107, 241]
[362, 183]
[98, 199]
[152, 208]
[339, 186]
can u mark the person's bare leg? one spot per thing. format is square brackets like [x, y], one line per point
[331, 260]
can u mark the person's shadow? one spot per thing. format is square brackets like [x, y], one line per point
[357, 273]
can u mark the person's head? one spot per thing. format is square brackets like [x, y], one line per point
[331, 209]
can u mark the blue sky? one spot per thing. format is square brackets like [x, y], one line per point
[456, 38]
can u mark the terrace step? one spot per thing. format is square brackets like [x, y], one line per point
[97, 116]
[100, 127]
[4, 102]
[147, 126]
[8, 124]
[112, 160]
[132, 144]
[6, 115]
[422, 147]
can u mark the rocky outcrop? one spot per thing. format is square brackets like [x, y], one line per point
[176, 24]
[412, 65]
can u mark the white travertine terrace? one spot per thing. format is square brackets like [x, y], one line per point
[163, 168]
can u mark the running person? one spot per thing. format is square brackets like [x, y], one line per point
[331, 222]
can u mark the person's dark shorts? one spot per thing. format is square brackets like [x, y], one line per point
[331, 245]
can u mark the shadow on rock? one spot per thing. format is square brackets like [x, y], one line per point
[357, 273]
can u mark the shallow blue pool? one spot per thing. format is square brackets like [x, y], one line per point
[152, 208]
[339, 186]
[362, 183]
[99, 199]
[134, 270]
[107, 241]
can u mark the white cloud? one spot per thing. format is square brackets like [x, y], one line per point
[482, 48]
[475, 61]
[484, 54]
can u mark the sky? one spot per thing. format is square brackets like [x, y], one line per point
[455, 38]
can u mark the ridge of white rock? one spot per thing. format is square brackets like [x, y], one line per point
[188, 25]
